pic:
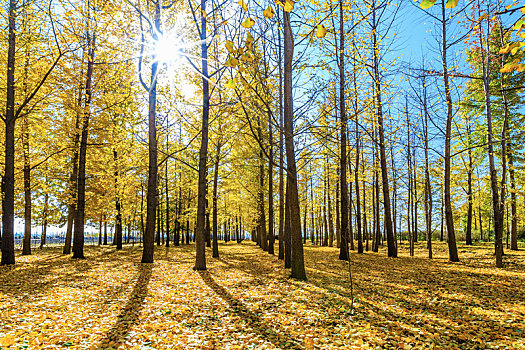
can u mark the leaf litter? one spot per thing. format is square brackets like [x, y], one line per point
[245, 300]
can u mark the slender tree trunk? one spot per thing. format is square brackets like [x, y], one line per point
[287, 229]
[513, 209]
[468, 234]
[166, 188]
[271, 235]
[325, 219]
[497, 204]
[100, 231]
[330, 215]
[263, 238]
[298, 271]
[78, 237]
[337, 213]
[365, 224]
[392, 251]
[43, 238]
[410, 192]
[343, 251]
[200, 257]
[428, 186]
[215, 183]
[118, 224]
[451, 234]
[8, 180]
[105, 231]
[151, 195]
[26, 246]
[281, 146]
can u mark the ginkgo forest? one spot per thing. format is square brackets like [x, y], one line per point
[262, 174]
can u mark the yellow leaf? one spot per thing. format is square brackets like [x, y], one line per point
[231, 62]
[249, 37]
[268, 13]
[8, 340]
[425, 4]
[289, 5]
[243, 5]
[321, 31]
[248, 23]
[229, 46]
[450, 4]
[246, 57]
[230, 84]
[249, 41]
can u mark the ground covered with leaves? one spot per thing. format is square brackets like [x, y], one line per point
[245, 300]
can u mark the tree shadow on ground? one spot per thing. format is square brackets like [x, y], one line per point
[129, 316]
[403, 293]
[253, 320]
[30, 280]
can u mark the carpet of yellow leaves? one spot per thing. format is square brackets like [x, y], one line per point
[246, 301]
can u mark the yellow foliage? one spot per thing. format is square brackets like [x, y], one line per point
[268, 13]
[243, 5]
[248, 23]
[321, 31]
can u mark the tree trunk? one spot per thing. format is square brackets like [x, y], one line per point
[330, 215]
[151, 195]
[118, 227]
[26, 246]
[43, 238]
[497, 204]
[100, 231]
[271, 236]
[287, 229]
[281, 147]
[343, 250]
[78, 237]
[468, 234]
[166, 188]
[337, 214]
[325, 219]
[449, 218]
[215, 183]
[514, 220]
[261, 229]
[298, 271]
[8, 180]
[428, 188]
[392, 251]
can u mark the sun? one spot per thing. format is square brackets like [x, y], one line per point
[168, 49]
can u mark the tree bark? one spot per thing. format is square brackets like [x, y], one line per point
[392, 251]
[449, 219]
[215, 183]
[43, 238]
[8, 180]
[26, 246]
[343, 250]
[271, 236]
[298, 271]
[281, 148]
[78, 237]
[118, 223]
[151, 195]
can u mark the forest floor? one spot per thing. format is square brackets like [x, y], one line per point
[245, 300]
